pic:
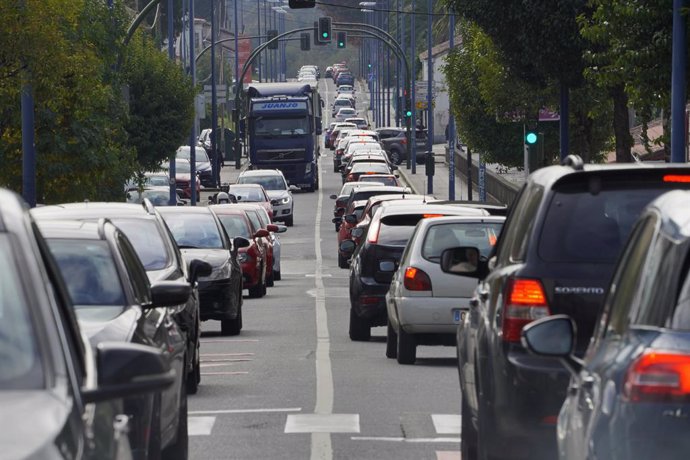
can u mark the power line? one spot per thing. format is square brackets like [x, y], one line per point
[384, 10]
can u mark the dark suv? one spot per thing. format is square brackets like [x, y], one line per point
[556, 254]
[394, 141]
[156, 247]
[377, 258]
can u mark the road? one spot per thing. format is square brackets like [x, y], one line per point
[293, 386]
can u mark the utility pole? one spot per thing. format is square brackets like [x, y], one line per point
[451, 123]
[258, 25]
[215, 154]
[193, 136]
[172, 201]
[413, 46]
[429, 95]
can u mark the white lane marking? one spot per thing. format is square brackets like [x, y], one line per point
[322, 423]
[226, 360]
[448, 455]
[246, 411]
[200, 426]
[205, 366]
[312, 275]
[321, 448]
[225, 373]
[228, 340]
[446, 423]
[203, 355]
[399, 439]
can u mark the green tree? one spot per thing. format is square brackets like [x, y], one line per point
[161, 103]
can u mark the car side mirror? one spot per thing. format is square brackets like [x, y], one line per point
[339, 212]
[262, 233]
[126, 369]
[347, 247]
[357, 232]
[350, 219]
[281, 228]
[199, 268]
[333, 197]
[272, 228]
[464, 261]
[336, 220]
[240, 242]
[553, 336]
[169, 293]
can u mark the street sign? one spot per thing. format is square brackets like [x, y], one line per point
[221, 91]
[548, 115]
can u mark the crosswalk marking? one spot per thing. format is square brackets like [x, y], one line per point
[200, 426]
[322, 423]
[446, 423]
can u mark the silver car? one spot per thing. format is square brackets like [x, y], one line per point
[425, 304]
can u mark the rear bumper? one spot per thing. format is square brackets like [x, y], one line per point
[369, 301]
[426, 315]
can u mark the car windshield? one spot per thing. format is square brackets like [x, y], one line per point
[387, 180]
[157, 197]
[247, 194]
[444, 236]
[270, 127]
[89, 272]
[145, 235]
[20, 362]
[268, 182]
[184, 153]
[156, 180]
[197, 231]
[234, 225]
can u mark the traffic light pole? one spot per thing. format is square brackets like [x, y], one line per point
[525, 150]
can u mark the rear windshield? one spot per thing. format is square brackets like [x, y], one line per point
[198, 231]
[585, 227]
[397, 230]
[146, 237]
[438, 238]
[234, 225]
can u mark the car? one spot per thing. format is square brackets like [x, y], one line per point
[273, 181]
[351, 217]
[344, 113]
[349, 144]
[183, 178]
[336, 131]
[114, 301]
[628, 392]
[375, 261]
[361, 123]
[329, 72]
[251, 193]
[275, 240]
[327, 134]
[61, 397]
[394, 141]
[200, 235]
[367, 157]
[343, 196]
[149, 179]
[253, 258]
[340, 103]
[555, 255]
[203, 164]
[159, 196]
[424, 303]
[345, 79]
[365, 167]
[386, 179]
[155, 246]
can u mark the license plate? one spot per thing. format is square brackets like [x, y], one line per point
[458, 316]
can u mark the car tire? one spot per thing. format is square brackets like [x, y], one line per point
[276, 274]
[342, 261]
[395, 157]
[360, 331]
[257, 291]
[289, 221]
[179, 450]
[270, 279]
[391, 342]
[154, 447]
[468, 433]
[407, 347]
[232, 326]
[316, 180]
[194, 377]
[335, 168]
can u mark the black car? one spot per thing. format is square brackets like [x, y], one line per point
[555, 255]
[200, 235]
[630, 395]
[376, 259]
[394, 141]
[203, 163]
[156, 247]
[60, 397]
[112, 299]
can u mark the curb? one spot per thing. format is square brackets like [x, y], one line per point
[403, 175]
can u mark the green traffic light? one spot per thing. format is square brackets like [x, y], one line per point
[531, 138]
[408, 113]
[325, 35]
[370, 66]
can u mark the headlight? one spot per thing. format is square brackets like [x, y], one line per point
[285, 200]
[308, 168]
[219, 273]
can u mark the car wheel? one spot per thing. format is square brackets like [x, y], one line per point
[179, 450]
[289, 221]
[316, 181]
[232, 326]
[407, 347]
[468, 434]
[194, 377]
[360, 331]
[257, 291]
[391, 342]
[342, 261]
[335, 168]
[276, 275]
[270, 279]
[395, 157]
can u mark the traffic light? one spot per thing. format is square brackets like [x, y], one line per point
[408, 113]
[325, 29]
[271, 34]
[294, 4]
[316, 40]
[531, 138]
[304, 42]
[369, 65]
[341, 41]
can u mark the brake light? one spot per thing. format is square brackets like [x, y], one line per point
[525, 302]
[429, 216]
[676, 178]
[373, 234]
[416, 280]
[658, 377]
[350, 178]
[403, 141]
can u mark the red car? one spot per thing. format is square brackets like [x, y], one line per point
[352, 216]
[252, 193]
[252, 211]
[386, 179]
[252, 258]
[366, 168]
[183, 178]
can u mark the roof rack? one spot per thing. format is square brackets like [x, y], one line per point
[574, 161]
[148, 206]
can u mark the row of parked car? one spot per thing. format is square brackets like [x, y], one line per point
[570, 317]
[101, 306]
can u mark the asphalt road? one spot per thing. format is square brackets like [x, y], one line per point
[293, 386]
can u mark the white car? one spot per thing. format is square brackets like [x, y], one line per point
[361, 123]
[425, 304]
[344, 113]
[277, 189]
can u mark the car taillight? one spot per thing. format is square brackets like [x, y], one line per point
[677, 178]
[525, 302]
[350, 178]
[373, 234]
[416, 280]
[658, 376]
[403, 141]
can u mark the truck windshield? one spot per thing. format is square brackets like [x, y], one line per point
[271, 127]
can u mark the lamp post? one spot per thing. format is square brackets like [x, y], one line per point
[258, 25]
[429, 95]
[368, 58]
[192, 137]
[215, 157]
[413, 49]
[451, 124]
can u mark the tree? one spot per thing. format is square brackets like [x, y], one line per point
[161, 103]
